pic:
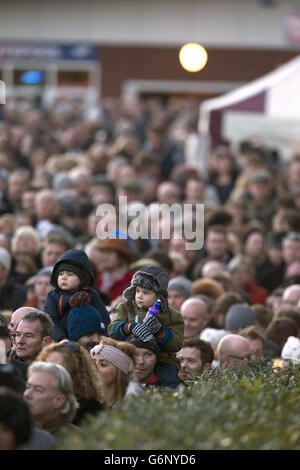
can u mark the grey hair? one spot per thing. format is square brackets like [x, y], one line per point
[45, 320]
[63, 384]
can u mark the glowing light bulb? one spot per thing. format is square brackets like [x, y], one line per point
[193, 57]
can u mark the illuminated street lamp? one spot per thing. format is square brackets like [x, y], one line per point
[192, 57]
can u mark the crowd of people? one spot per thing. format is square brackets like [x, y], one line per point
[87, 319]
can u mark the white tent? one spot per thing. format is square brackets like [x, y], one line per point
[268, 107]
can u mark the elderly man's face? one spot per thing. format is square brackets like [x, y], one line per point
[236, 354]
[42, 397]
[195, 317]
[15, 320]
[29, 341]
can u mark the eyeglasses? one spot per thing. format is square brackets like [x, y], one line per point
[247, 356]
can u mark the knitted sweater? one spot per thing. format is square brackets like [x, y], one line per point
[169, 338]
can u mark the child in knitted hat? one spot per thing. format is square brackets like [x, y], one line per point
[71, 274]
[146, 315]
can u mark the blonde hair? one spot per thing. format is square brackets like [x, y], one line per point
[26, 230]
[122, 379]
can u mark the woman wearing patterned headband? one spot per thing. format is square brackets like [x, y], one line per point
[115, 361]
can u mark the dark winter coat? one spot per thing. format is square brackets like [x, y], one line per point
[86, 408]
[57, 301]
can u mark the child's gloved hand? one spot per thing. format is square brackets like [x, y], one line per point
[152, 323]
[142, 332]
[151, 318]
[79, 298]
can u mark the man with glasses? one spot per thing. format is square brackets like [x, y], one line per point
[232, 350]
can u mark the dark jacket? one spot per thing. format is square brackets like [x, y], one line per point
[57, 301]
[58, 308]
[86, 408]
[21, 366]
[12, 296]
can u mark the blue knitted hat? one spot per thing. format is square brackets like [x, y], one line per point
[83, 319]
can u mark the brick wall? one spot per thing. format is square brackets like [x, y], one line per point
[120, 63]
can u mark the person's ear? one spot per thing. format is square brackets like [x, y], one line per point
[46, 341]
[206, 367]
[59, 401]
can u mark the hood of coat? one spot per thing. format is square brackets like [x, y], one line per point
[75, 257]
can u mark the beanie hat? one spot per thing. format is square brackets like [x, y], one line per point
[182, 285]
[73, 268]
[239, 316]
[291, 350]
[114, 355]
[151, 345]
[83, 319]
[5, 258]
[151, 278]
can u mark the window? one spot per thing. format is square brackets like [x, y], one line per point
[73, 78]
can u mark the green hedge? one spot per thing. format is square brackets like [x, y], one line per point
[252, 408]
